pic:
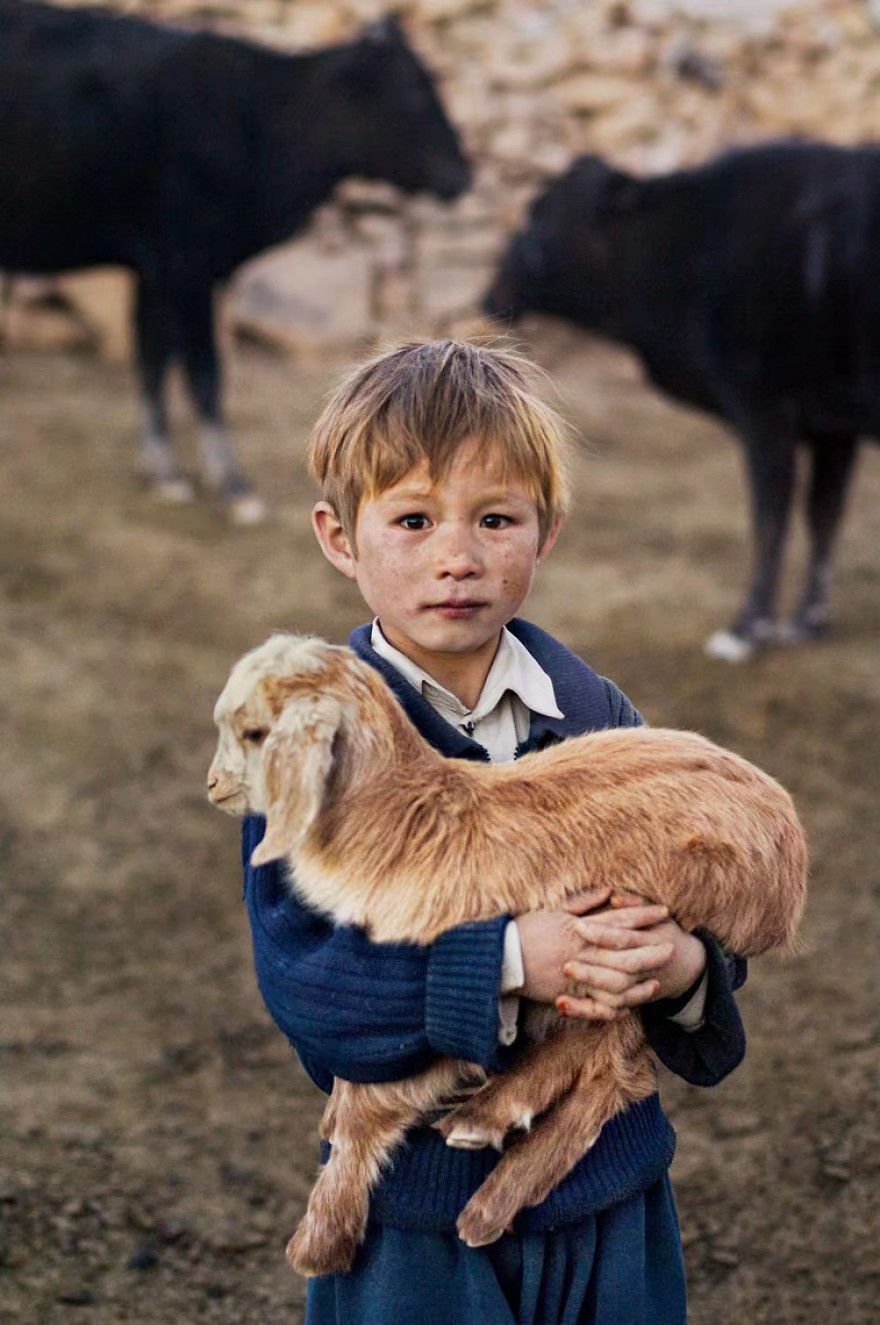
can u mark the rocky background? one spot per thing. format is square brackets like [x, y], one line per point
[653, 84]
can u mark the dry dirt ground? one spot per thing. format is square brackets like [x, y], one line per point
[157, 1136]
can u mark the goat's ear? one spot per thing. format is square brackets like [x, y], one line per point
[297, 759]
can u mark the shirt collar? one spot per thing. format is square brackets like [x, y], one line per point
[513, 669]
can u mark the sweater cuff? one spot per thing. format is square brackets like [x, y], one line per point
[706, 1055]
[462, 990]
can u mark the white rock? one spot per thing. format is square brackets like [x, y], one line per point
[297, 295]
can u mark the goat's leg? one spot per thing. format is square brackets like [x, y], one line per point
[368, 1122]
[511, 1101]
[537, 1162]
[467, 1078]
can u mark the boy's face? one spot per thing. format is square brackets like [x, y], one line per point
[443, 566]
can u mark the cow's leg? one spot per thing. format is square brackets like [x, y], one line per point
[220, 471]
[154, 339]
[833, 464]
[770, 465]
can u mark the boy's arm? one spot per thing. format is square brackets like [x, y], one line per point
[365, 1011]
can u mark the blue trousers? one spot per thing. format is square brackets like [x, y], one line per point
[622, 1266]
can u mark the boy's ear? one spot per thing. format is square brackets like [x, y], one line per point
[547, 546]
[335, 543]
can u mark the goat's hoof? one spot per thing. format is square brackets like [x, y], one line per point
[465, 1129]
[470, 1136]
[482, 1122]
[478, 1227]
[312, 1253]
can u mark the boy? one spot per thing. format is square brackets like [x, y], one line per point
[443, 488]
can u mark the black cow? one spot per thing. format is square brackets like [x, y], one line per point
[180, 154]
[750, 288]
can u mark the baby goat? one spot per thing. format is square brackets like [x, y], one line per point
[381, 831]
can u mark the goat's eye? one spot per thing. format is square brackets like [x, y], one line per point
[255, 735]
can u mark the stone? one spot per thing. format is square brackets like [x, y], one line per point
[436, 11]
[586, 93]
[631, 121]
[512, 142]
[626, 51]
[452, 290]
[530, 64]
[144, 1257]
[300, 298]
[306, 25]
[104, 299]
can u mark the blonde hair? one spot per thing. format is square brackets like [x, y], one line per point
[418, 402]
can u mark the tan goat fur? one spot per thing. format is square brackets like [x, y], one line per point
[381, 831]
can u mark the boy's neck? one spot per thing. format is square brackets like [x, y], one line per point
[463, 675]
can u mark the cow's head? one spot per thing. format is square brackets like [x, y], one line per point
[394, 126]
[564, 259]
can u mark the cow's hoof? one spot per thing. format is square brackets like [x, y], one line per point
[729, 647]
[174, 491]
[801, 630]
[248, 509]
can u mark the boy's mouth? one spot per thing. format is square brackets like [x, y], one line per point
[457, 608]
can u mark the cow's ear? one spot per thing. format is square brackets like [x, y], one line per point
[622, 192]
[387, 29]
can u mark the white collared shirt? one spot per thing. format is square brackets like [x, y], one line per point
[515, 686]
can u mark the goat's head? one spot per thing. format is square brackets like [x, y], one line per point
[277, 718]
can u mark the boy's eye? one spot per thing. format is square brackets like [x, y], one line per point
[496, 521]
[413, 521]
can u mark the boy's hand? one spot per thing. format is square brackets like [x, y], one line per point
[633, 955]
[551, 938]
[619, 956]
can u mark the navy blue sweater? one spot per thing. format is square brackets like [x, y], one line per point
[377, 1012]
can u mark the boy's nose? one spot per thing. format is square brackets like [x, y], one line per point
[459, 557]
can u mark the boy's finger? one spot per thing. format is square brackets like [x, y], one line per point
[597, 934]
[607, 1007]
[634, 961]
[608, 982]
[586, 901]
[628, 918]
[588, 1008]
